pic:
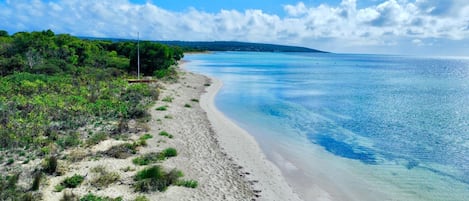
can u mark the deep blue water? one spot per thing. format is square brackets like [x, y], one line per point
[405, 111]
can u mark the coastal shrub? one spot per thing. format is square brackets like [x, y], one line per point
[73, 181]
[10, 161]
[168, 99]
[141, 198]
[49, 165]
[169, 152]
[103, 178]
[92, 197]
[121, 151]
[96, 138]
[162, 108]
[168, 116]
[59, 188]
[70, 140]
[153, 157]
[36, 181]
[195, 100]
[166, 134]
[155, 178]
[187, 105]
[187, 183]
[146, 136]
[146, 159]
[68, 196]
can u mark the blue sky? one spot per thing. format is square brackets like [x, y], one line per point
[416, 27]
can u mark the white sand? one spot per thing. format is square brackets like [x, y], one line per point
[246, 152]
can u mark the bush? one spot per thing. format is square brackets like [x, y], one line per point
[187, 183]
[73, 181]
[154, 157]
[50, 165]
[168, 99]
[96, 138]
[103, 178]
[70, 140]
[121, 151]
[36, 182]
[195, 100]
[59, 188]
[187, 105]
[170, 152]
[141, 198]
[162, 108]
[92, 197]
[68, 196]
[155, 178]
[164, 133]
[146, 136]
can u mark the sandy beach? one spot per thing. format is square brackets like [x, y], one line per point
[224, 159]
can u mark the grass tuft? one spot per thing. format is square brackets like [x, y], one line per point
[162, 108]
[103, 178]
[166, 134]
[168, 99]
[187, 183]
[155, 179]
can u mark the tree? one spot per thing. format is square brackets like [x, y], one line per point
[153, 57]
[3, 33]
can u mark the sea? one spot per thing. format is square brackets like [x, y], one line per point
[352, 126]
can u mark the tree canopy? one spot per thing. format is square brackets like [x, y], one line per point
[47, 53]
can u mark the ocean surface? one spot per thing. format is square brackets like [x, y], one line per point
[391, 127]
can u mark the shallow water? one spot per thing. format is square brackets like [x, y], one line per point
[399, 124]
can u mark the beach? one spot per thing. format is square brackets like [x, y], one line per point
[224, 159]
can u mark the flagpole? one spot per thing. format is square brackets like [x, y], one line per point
[138, 55]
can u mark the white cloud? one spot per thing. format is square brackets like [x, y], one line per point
[341, 27]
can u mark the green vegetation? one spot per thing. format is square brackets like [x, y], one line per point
[103, 178]
[92, 197]
[155, 178]
[121, 151]
[154, 157]
[187, 183]
[73, 181]
[141, 198]
[96, 138]
[168, 99]
[187, 105]
[162, 108]
[10, 191]
[166, 134]
[146, 136]
[50, 164]
[51, 85]
[36, 182]
[195, 100]
[169, 152]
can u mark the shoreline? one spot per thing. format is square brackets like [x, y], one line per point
[246, 152]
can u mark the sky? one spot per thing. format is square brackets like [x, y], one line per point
[405, 27]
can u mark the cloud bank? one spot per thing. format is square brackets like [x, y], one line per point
[390, 25]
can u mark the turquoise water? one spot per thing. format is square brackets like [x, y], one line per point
[395, 121]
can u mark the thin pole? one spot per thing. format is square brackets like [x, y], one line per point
[138, 55]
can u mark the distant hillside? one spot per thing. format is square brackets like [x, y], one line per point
[237, 46]
[223, 46]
